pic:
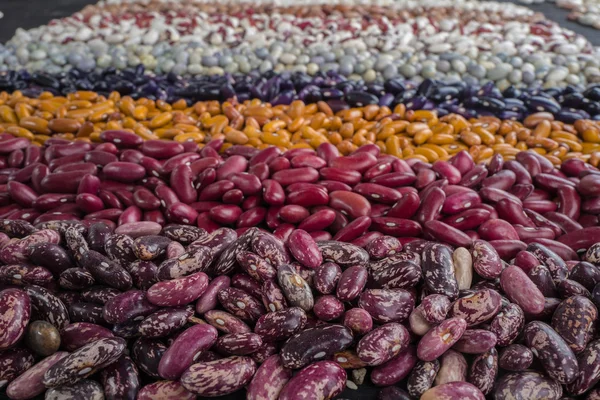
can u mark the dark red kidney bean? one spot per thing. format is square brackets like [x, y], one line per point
[365, 239]
[161, 149]
[88, 184]
[589, 185]
[354, 229]
[308, 160]
[293, 213]
[186, 158]
[287, 177]
[507, 248]
[232, 165]
[504, 180]
[131, 155]
[111, 214]
[494, 195]
[203, 206]
[319, 220]
[216, 190]
[395, 179]
[332, 186]
[396, 226]
[33, 155]
[540, 275]
[459, 202]
[521, 191]
[279, 164]
[273, 193]
[145, 199]
[88, 168]
[357, 162]
[569, 202]
[522, 175]
[462, 161]
[309, 197]
[89, 203]
[381, 168]
[265, 156]
[563, 221]
[24, 174]
[49, 202]
[469, 219]
[446, 170]
[513, 213]
[345, 176]
[181, 213]
[541, 221]
[238, 150]
[251, 217]
[249, 184]
[155, 216]
[406, 206]
[22, 194]
[446, 233]
[225, 214]
[182, 183]
[424, 178]
[551, 183]
[121, 138]
[124, 171]
[252, 202]
[378, 193]
[205, 178]
[573, 166]
[431, 206]
[474, 177]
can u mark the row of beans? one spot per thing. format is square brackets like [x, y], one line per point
[127, 180]
[88, 312]
[465, 98]
[421, 134]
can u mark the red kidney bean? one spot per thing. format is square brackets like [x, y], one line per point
[225, 214]
[161, 149]
[293, 214]
[396, 226]
[265, 156]
[332, 186]
[381, 168]
[130, 155]
[182, 184]
[152, 166]
[354, 229]
[232, 165]
[528, 233]
[180, 159]
[523, 176]
[462, 161]
[89, 203]
[543, 222]
[469, 219]
[279, 164]
[125, 197]
[508, 248]
[318, 221]
[273, 193]
[513, 213]
[406, 206]
[431, 206]
[88, 184]
[350, 203]
[424, 178]
[216, 190]
[124, 171]
[446, 170]
[447, 233]
[252, 202]
[395, 179]
[569, 202]
[346, 176]
[378, 193]
[309, 197]
[359, 161]
[364, 240]
[22, 194]
[459, 202]
[565, 223]
[121, 138]
[64, 182]
[109, 199]
[145, 199]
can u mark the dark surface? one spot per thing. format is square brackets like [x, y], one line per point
[31, 13]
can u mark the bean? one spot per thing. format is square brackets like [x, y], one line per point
[525, 385]
[30, 383]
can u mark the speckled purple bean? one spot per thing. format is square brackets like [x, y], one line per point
[84, 362]
[17, 228]
[165, 390]
[23, 274]
[387, 305]
[13, 362]
[586, 274]
[453, 368]
[130, 305]
[217, 241]
[269, 379]
[453, 391]
[29, 383]
[84, 389]
[440, 338]
[358, 320]
[438, 270]
[477, 307]
[589, 369]
[18, 251]
[315, 344]
[527, 385]
[483, 371]
[521, 290]
[540, 275]
[422, 377]
[383, 246]
[121, 379]
[196, 260]
[568, 288]
[240, 304]
[382, 344]
[185, 349]
[476, 341]
[150, 247]
[351, 283]
[47, 307]
[343, 254]
[435, 307]
[78, 334]
[178, 292]
[393, 272]
[86, 312]
[209, 378]
[227, 261]
[515, 357]
[106, 271]
[208, 300]
[486, 261]
[164, 322]
[295, 288]
[281, 324]
[550, 259]
[321, 380]
[147, 354]
[396, 369]
[328, 308]
[554, 353]
[75, 279]
[574, 320]
[238, 344]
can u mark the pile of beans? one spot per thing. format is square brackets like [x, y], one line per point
[87, 312]
[462, 97]
[422, 134]
[458, 39]
[354, 198]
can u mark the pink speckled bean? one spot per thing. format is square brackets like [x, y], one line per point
[519, 288]
[497, 229]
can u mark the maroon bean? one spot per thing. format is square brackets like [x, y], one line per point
[225, 214]
[446, 233]
[519, 288]
[569, 202]
[309, 197]
[441, 338]
[123, 171]
[406, 206]
[497, 229]
[216, 190]
[469, 219]
[523, 176]
[293, 213]
[396, 226]
[395, 179]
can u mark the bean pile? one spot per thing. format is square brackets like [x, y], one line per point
[465, 97]
[421, 134]
[458, 39]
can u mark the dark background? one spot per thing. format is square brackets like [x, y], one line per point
[31, 13]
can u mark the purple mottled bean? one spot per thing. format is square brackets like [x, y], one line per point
[178, 292]
[209, 378]
[486, 261]
[507, 324]
[554, 353]
[185, 349]
[527, 385]
[328, 308]
[15, 311]
[14, 362]
[29, 384]
[484, 370]
[351, 283]
[515, 357]
[453, 368]
[269, 380]
[519, 288]
[304, 249]
[440, 338]
[387, 305]
[477, 307]
[164, 390]
[438, 270]
[476, 341]
[573, 320]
